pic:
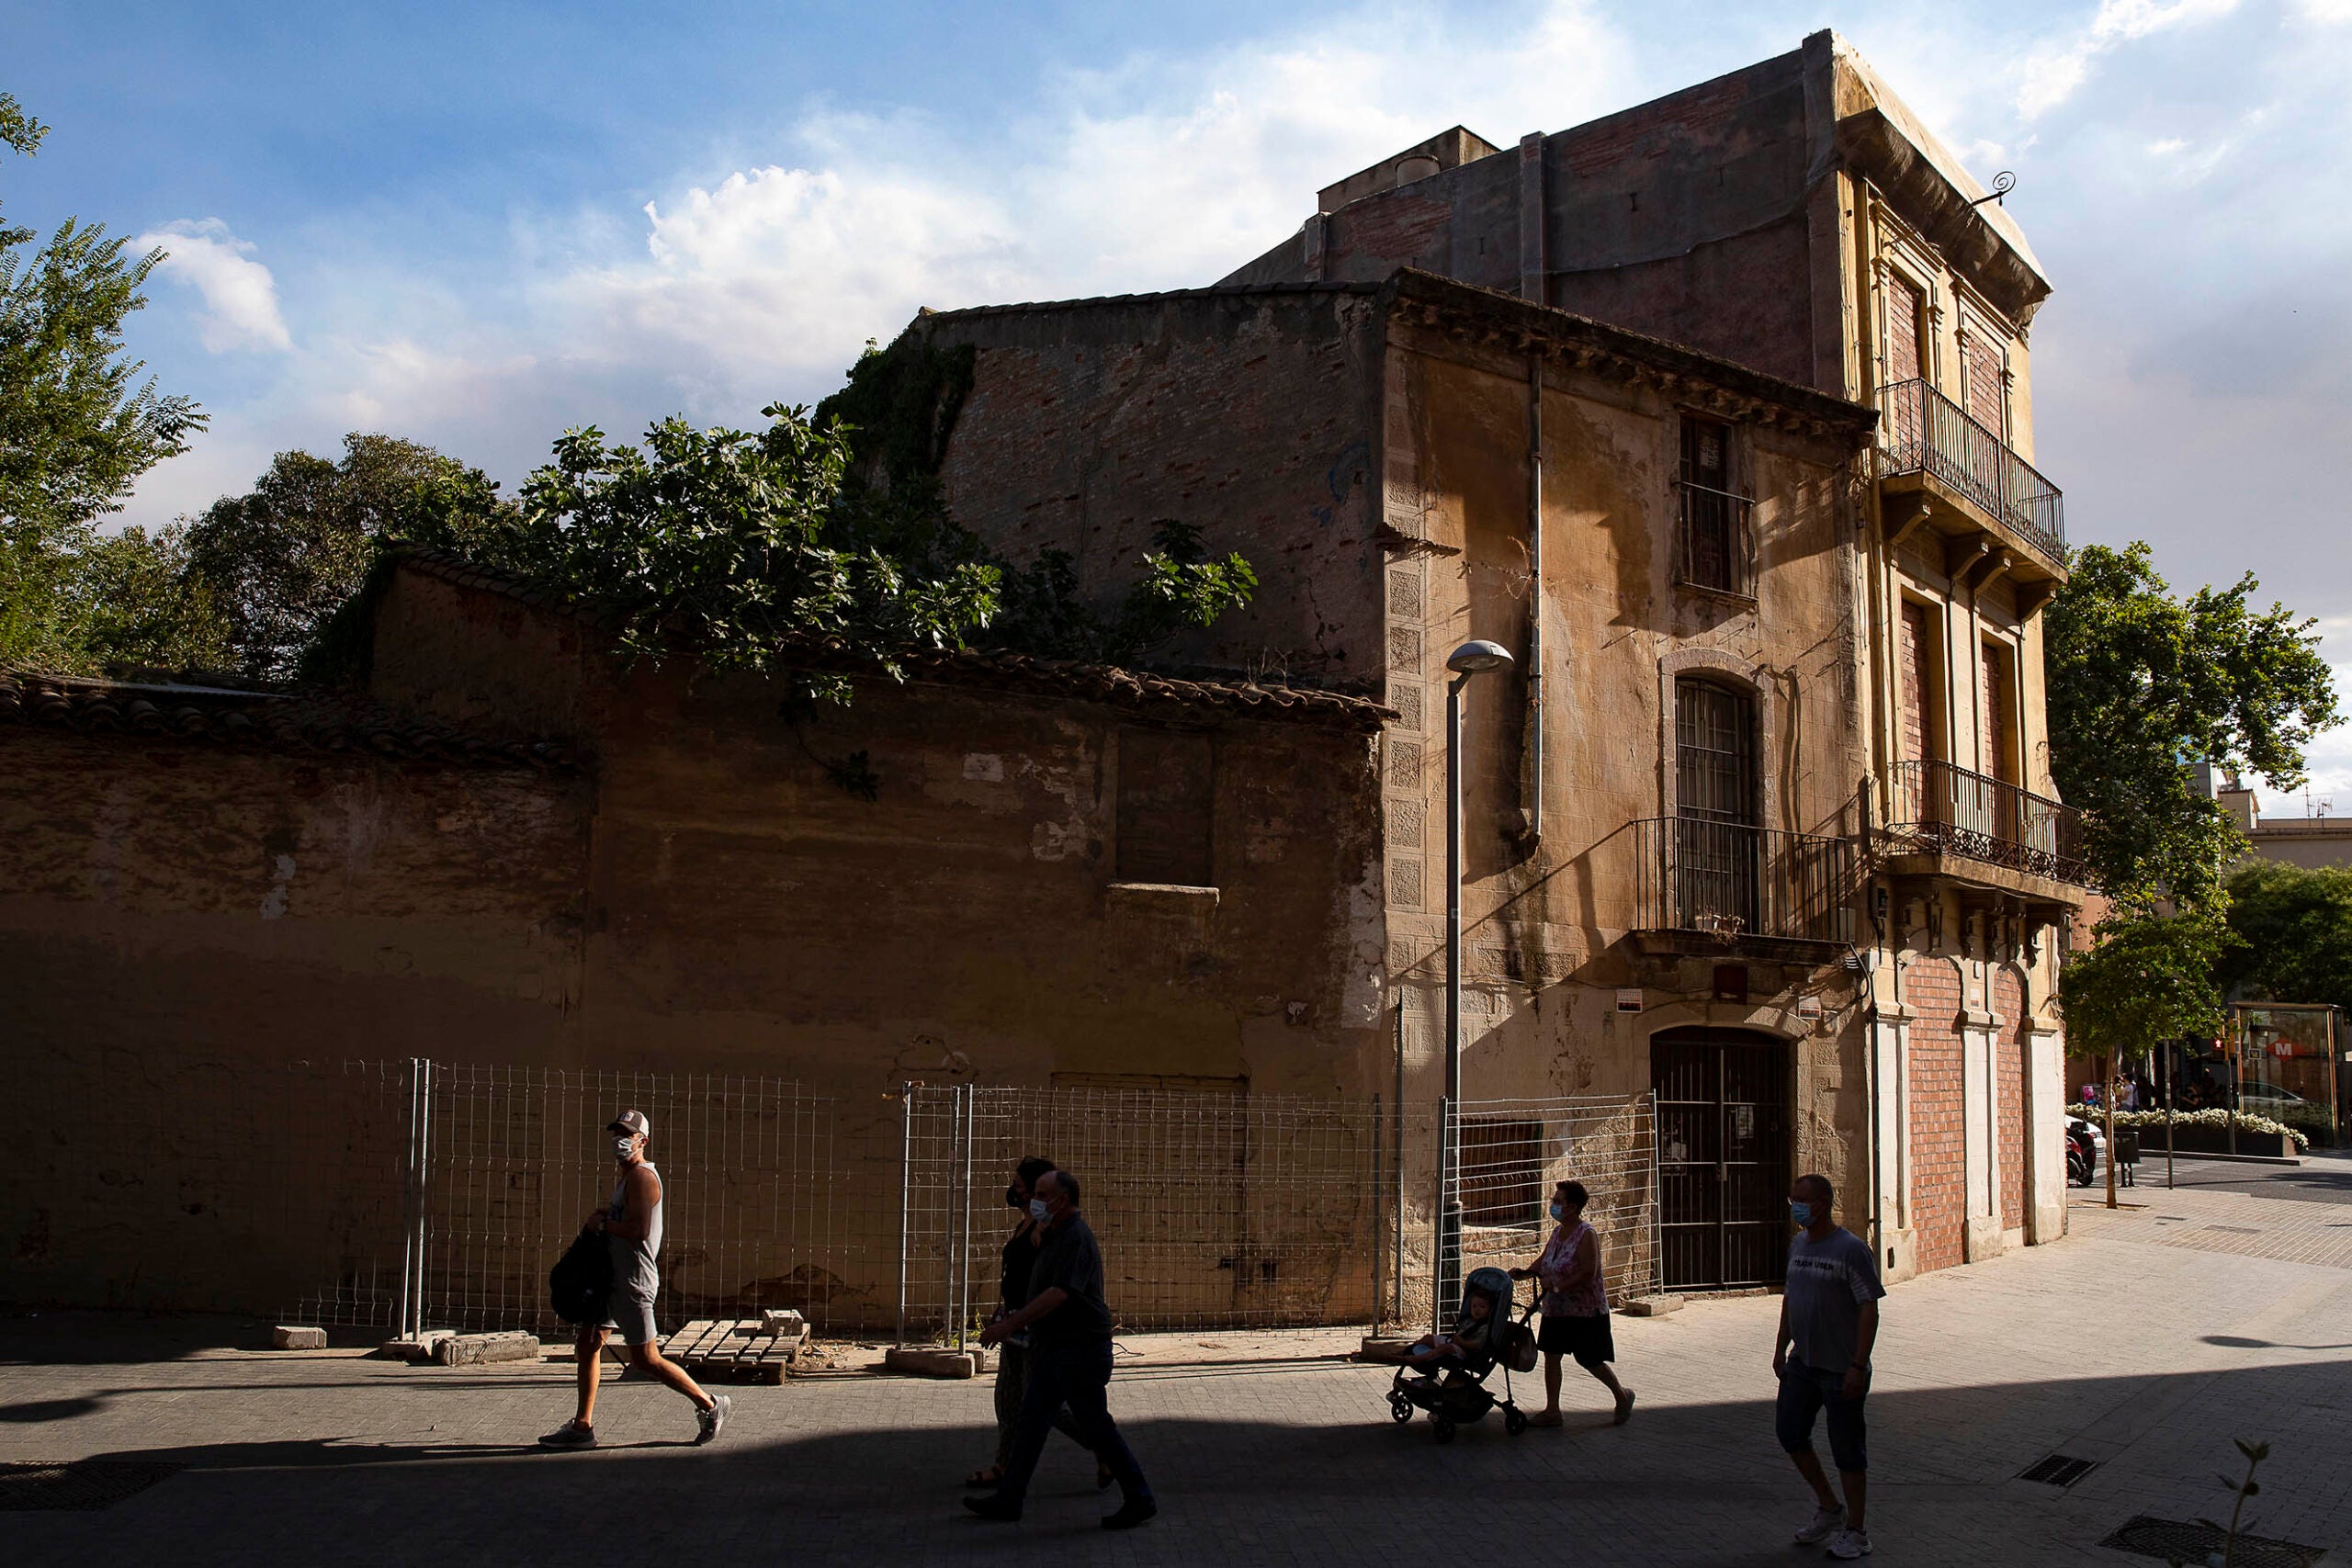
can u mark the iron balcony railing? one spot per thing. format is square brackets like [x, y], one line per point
[1923, 431]
[1943, 809]
[1731, 881]
[1716, 547]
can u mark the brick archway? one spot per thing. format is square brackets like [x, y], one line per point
[1938, 1115]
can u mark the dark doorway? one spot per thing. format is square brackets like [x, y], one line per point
[1723, 1143]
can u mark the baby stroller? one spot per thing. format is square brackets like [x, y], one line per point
[1454, 1391]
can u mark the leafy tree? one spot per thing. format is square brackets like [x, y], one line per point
[737, 548]
[2140, 680]
[1180, 587]
[138, 605]
[278, 561]
[2294, 928]
[2147, 978]
[78, 427]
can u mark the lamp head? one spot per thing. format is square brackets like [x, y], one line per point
[1476, 657]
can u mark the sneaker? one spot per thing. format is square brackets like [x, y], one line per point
[1850, 1544]
[1132, 1512]
[712, 1419]
[1826, 1522]
[570, 1435]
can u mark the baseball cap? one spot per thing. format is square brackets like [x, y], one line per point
[631, 1121]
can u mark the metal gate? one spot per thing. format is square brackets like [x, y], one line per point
[1723, 1157]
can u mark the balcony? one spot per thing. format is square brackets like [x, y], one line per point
[1736, 884]
[1928, 445]
[1947, 821]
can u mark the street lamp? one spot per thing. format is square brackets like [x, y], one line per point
[1471, 658]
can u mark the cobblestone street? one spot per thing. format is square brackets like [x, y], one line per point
[2145, 1341]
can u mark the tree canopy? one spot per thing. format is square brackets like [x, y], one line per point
[2294, 926]
[2141, 682]
[77, 428]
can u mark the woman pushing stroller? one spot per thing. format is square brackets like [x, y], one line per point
[1574, 1305]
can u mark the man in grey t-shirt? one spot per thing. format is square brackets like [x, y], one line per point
[1822, 1357]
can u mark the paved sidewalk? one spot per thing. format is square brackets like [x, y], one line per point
[2144, 1341]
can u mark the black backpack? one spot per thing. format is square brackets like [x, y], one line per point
[581, 1279]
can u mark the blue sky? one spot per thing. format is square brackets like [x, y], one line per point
[475, 225]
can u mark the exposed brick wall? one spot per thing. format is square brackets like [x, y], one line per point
[1939, 1141]
[1249, 416]
[2008, 1094]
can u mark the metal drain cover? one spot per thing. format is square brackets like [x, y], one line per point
[2177, 1542]
[2058, 1470]
[81, 1483]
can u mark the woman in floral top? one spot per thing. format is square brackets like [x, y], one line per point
[1574, 1305]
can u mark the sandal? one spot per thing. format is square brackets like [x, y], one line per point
[980, 1479]
[1104, 1476]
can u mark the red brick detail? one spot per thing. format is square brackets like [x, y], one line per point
[2008, 1094]
[1938, 1132]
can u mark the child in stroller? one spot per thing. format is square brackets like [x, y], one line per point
[1446, 1374]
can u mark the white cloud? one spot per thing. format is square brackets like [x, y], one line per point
[240, 297]
[2051, 75]
[2327, 12]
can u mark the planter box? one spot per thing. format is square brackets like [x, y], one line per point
[2214, 1141]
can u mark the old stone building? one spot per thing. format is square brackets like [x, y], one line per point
[1714, 414]
[1772, 768]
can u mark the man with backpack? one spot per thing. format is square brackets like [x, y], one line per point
[631, 1227]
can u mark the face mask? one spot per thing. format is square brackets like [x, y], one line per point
[621, 1148]
[1038, 1212]
[1801, 1213]
[1558, 1212]
[1013, 1197]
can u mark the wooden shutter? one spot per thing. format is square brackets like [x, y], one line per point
[1166, 802]
[1981, 384]
[1903, 310]
[1917, 664]
[1999, 740]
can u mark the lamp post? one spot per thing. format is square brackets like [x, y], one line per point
[1470, 659]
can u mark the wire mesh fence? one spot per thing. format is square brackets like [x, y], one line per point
[411, 1194]
[1510, 1153]
[1214, 1208]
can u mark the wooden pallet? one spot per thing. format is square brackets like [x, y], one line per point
[734, 1350]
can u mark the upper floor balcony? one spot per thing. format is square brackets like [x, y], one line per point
[1723, 883]
[1971, 487]
[1947, 821]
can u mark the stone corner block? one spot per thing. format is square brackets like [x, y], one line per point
[931, 1363]
[1651, 1306]
[291, 1336]
[477, 1349]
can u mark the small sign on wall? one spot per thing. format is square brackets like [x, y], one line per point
[1808, 1007]
[1629, 999]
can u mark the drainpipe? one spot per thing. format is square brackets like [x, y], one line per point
[1530, 787]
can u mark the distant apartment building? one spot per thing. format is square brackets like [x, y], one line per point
[2316, 840]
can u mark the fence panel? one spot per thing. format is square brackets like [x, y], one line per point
[1511, 1154]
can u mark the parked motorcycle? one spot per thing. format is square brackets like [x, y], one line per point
[2083, 1143]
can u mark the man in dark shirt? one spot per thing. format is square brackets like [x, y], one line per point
[1069, 1360]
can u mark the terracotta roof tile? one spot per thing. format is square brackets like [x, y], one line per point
[261, 720]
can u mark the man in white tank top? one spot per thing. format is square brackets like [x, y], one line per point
[631, 1225]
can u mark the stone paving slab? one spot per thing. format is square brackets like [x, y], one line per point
[2124, 1344]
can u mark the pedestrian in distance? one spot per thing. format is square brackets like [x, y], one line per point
[1822, 1357]
[1574, 1305]
[1020, 1258]
[1068, 1324]
[632, 1225]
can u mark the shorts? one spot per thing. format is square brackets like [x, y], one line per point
[1588, 1339]
[1805, 1392]
[631, 1318]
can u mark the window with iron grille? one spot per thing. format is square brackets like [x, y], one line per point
[1714, 551]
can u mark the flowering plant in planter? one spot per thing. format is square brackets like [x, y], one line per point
[2213, 1117]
